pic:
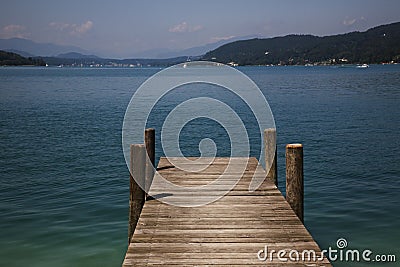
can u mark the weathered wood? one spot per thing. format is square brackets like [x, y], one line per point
[229, 231]
[136, 185]
[294, 179]
[271, 154]
[150, 143]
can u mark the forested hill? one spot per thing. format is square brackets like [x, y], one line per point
[12, 59]
[377, 45]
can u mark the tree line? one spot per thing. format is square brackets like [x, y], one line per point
[377, 45]
[13, 59]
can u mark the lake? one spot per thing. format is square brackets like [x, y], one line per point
[64, 185]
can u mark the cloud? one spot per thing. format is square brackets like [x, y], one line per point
[59, 26]
[83, 28]
[222, 38]
[182, 27]
[73, 29]
[350, 22]
[13, 30]
[185, 27]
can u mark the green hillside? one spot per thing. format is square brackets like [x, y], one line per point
[377, 45]
[12, 59]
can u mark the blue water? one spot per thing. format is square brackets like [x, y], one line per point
[64, 182]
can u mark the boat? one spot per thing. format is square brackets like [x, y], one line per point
[363, 66]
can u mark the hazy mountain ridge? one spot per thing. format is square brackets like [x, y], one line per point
[37, 49]
[21, 53]
[202, 49]
[75, 55]
[30, 48]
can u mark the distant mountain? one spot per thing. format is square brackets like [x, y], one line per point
[30, 48]
[377, 45]
[189, 52]
[153, 53]
[37, 49]
[75, 55]
[12, 59]
[21, 53]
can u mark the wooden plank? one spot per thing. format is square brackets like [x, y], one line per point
[230, 231]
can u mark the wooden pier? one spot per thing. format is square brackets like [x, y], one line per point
[235, 230]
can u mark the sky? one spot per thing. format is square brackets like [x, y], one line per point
[123, 28]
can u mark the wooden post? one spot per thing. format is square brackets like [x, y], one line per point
[294, 179]
[150, 142]
[137, 183]
[271, 154]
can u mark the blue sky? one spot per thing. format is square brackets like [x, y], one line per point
[124, 28]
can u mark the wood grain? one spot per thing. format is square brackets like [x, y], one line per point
[227, 232]
[294, 179]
